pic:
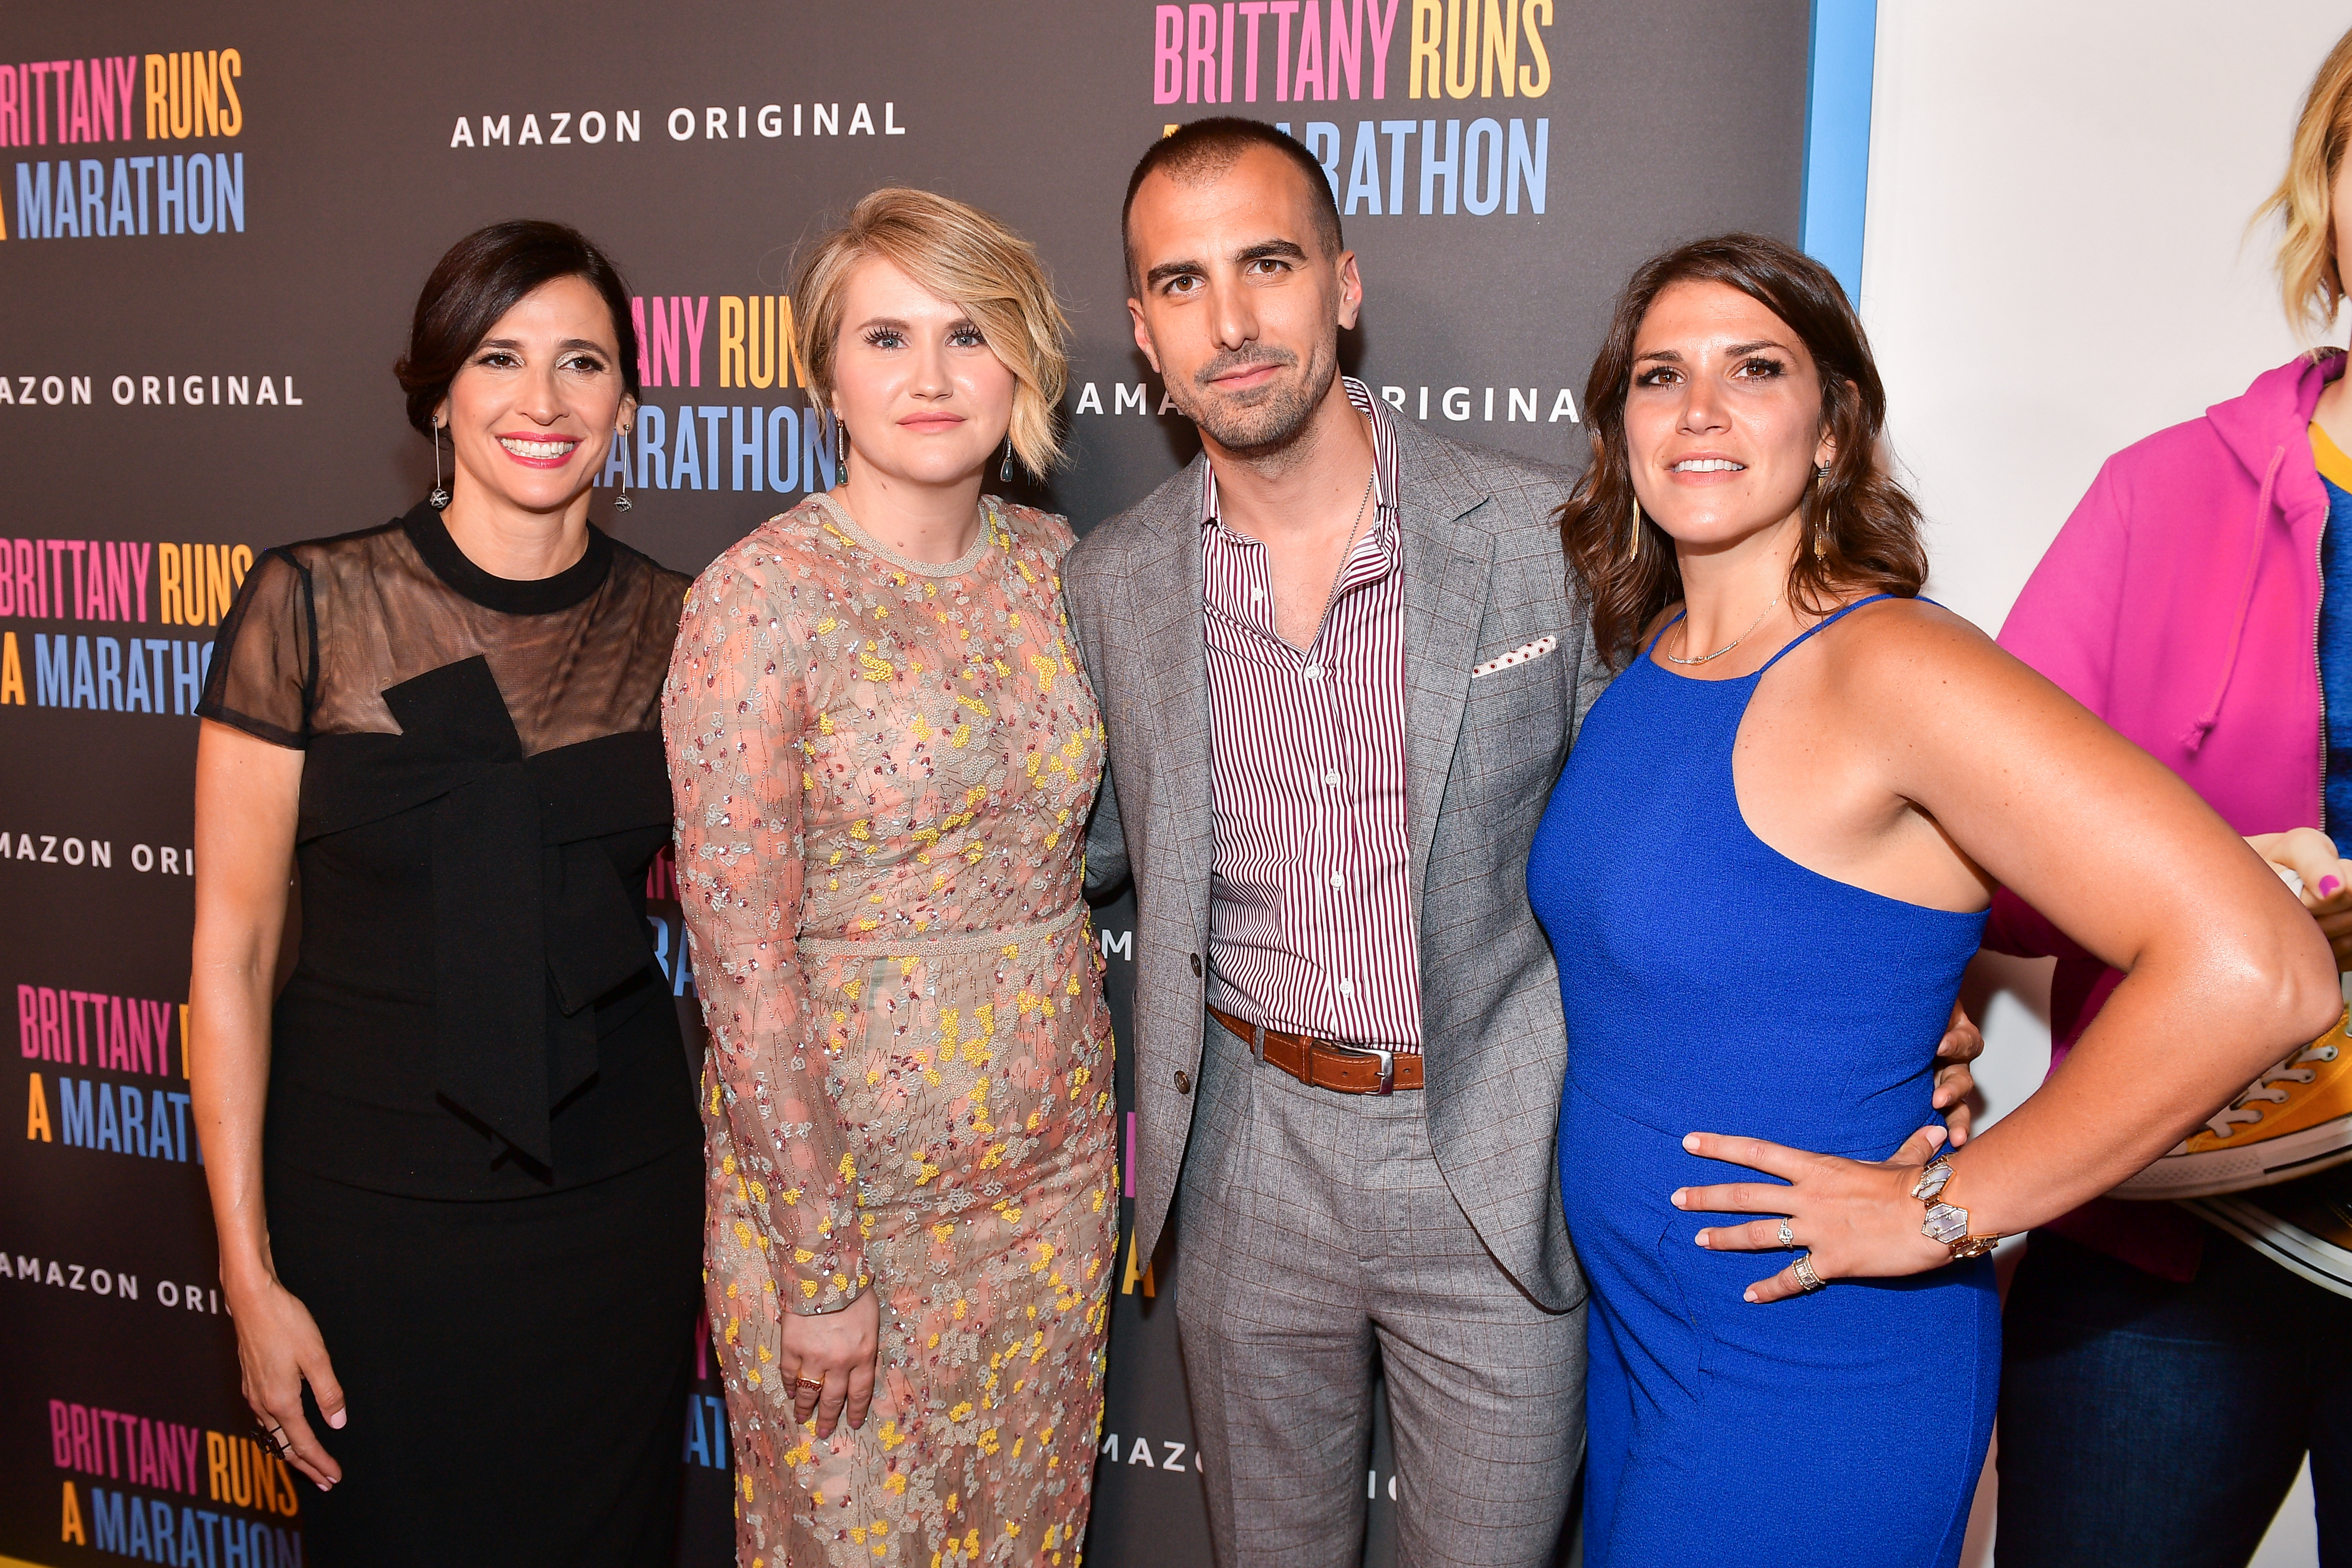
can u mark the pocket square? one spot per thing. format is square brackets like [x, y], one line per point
[1519, 655]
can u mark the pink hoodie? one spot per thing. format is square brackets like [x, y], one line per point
[2180, 604]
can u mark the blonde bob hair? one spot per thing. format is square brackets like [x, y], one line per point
[2311, 278]
[959, 253]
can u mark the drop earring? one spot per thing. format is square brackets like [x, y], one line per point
[621, 492]
[840, 442]
[1634, 544]
[1004, 470]
[439, 497]
[1820, 529]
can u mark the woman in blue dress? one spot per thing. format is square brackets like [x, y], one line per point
[1763, 871]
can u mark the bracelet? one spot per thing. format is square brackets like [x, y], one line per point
[1946, 1224]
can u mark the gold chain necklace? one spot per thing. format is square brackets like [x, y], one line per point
[1728, 647]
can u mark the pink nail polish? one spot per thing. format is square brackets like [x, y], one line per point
[2328, 886]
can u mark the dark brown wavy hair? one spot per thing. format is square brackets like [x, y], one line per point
[1866, 526]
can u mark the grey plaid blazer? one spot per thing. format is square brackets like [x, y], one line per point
[1482, 575]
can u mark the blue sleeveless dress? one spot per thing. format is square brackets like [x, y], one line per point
[1714, 985]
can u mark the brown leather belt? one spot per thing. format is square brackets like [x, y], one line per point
[1326, 1064]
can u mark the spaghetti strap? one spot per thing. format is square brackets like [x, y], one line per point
[1661, 636]
[1825, 622]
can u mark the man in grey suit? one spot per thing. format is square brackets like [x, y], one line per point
[1340, 664]
[1329, 1204]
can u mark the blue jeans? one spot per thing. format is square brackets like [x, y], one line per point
[2145, 1423]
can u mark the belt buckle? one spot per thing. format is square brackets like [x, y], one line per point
[1387, 1058]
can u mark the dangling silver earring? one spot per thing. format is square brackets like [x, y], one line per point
[439, 497]
[840, 442]
[1004, 472]
[1634, 545]
[621, 491]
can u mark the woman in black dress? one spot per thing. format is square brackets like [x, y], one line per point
[455, 1168]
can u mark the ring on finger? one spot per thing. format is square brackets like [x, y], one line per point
[1807, 1280]
[1788, 1236]
[815, 1386]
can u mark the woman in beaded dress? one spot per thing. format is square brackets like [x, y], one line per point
[883, 753]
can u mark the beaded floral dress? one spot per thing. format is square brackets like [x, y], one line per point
[882, 769]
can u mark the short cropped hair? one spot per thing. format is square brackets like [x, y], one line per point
[1197, 153]
[962, 254]
[2311, 275]
[482, 278]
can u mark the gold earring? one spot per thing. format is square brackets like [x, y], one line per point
[1820, 525]
[1633, 546]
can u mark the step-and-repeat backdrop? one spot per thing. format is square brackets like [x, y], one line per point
[216, 218]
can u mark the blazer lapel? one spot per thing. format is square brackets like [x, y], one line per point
[1447, 562]
[1167, 602]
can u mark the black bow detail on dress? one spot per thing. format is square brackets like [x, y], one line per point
[531, 924]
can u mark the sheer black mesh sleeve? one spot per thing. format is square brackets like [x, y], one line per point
[264, 677]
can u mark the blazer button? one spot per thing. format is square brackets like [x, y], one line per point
[1183, 1082]
[1196, 966]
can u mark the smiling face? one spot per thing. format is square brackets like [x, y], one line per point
[1240, 310]
[926, 399]
[1723, 422]
[531, 414]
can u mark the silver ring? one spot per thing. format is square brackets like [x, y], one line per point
[1788, 1236]
[1807, 1280]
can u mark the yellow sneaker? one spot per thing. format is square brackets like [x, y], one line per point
[2292, 1121]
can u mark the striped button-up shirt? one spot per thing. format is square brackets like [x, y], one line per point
[1310, 912]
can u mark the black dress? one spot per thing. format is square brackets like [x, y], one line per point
[481, 1153]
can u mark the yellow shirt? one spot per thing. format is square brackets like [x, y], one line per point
[2334, 466]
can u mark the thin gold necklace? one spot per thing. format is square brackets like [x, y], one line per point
[1728, 647]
